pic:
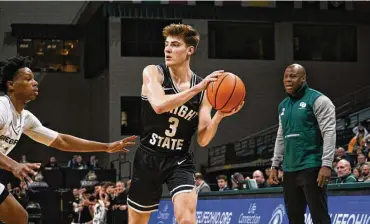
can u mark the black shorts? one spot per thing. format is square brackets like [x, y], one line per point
[5, 178]
[3, 193]
[151, 171]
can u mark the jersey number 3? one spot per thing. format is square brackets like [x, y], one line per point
[174, 123]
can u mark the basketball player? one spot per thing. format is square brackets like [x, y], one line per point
[20, 87]
[174, 106]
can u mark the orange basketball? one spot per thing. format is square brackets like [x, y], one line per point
[226, 93]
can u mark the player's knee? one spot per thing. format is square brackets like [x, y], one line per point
[137, 218]
[186, 217]
[22, 217]
[187, 220]
[25, 216]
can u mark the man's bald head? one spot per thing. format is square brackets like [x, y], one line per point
[294, 78]
[343, 168]
[299, 69]
[258, 176]
[344, 163]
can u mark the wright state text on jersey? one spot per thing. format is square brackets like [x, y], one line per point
[171, 131]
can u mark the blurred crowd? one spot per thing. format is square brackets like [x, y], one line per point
[102, 203]
[351, 164]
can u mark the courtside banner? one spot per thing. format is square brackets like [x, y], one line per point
[343, 210]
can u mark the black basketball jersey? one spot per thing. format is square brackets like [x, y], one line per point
[170, 132]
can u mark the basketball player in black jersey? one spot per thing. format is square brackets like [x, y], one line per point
[174, 106]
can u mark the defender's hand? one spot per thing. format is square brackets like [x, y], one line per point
[210, 78]
[120, 146]
[24, 170]
[324, 176]
[273, 179]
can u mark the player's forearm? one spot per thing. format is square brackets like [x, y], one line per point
[6, 162]
[206, 135]
[73, 144]
[169, 102]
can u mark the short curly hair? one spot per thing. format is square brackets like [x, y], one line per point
[9, 69]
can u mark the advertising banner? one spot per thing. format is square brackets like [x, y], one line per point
[342, 209]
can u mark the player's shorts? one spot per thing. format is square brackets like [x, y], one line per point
[151, 170]
[3, 193]
[5, 178]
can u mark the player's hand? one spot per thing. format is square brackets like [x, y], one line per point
[23, 171]
[210, 78]
[273, 179]
[324, 176]
[236, 110]
[120, 146]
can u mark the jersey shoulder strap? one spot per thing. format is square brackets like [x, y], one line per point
[200, 95]
[5, 104]
[167, 80]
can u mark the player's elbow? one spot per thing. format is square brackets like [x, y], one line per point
[60, 143]
[158, 104]
[158, 109]
[203, 142]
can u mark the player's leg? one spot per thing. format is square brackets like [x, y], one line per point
[135, 217]
[295, 200]
[146, 187]
[185, 204]
[10, 210]
[181, 184]
[316, 197]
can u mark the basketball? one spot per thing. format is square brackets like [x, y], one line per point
[226, 93]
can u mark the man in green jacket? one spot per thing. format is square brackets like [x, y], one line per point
[306, 141]
[344, 173]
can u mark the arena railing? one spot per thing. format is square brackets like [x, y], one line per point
[353, 102]
[333, 189]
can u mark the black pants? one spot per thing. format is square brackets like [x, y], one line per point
[300, 190]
